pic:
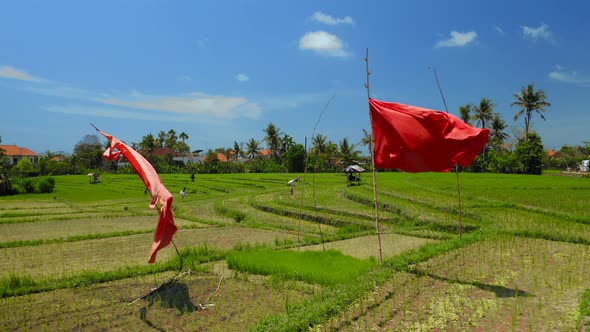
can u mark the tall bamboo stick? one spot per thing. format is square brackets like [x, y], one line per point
[376, 204]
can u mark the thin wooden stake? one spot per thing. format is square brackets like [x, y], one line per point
[375, 202]
[459, 195]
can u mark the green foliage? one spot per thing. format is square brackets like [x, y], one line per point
[39, 185]
[530, 154]
[320, 267]
[295, 159]
[24, 167]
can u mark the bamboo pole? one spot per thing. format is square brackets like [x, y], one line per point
[375, 202]
[456, 165]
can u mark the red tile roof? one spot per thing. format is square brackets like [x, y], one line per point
[13, 150]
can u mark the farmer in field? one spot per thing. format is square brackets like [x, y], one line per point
[183, 193]
[291, 184]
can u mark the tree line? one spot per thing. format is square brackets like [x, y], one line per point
[278, 152]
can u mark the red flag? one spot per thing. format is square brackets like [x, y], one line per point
[415, 139]
[166, 227]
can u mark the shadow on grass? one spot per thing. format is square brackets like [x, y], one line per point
[499, 291]
[171, 295]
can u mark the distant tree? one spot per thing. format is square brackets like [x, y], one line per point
[3, 158]
[252, 148]
[319, 143]
[366, 140]
[272, 139]
[171, 139]
[286, 142]
[182, 148]
[497, 134]
[529, 101]
[89, 152]
[148, 145]
[465, 113]
[25, 167]
[237, 151]
[295, 158]
[347, 152]
[529, 154]
[161, 140]
[483, 112]
[183, 136]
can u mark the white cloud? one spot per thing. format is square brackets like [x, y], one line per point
[202, 43]
[457, 39]
[242, 77]
[327, 19]
[497, 28]
[571, 77]
[322, 42]
[541, 32]
[194, 104]
[15, 74]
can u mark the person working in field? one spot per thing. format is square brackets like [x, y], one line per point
[291, 183]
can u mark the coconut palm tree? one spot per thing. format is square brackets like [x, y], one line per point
[319, 143]
[497, 134]
[465, 113]
[529, 101]
[272, 139]
[347, 151]
[252, 148]
[183, 136]
[238, 151]
[483, 112]
[161, 140]
[367, 140]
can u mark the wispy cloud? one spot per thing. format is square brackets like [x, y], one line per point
[202, 43]
[457, 39]
[571, 77]
[15, 74]
[197, 104]
[294, 101]
[541, 32]
[327, 19]
[498, 29]
[242, 77]
[323, 43]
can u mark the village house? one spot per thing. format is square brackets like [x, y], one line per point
[15, 154]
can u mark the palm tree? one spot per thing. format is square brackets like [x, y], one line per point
[237, 150]
[272, 139]
[148, 144]
[171, 138]
[465, 113]
[161, 140]
[183, 136]
[347, 151]
[252, 148]
[483, 112]
[497, 134]
[367, 140]
[319, 143]
[529, 101]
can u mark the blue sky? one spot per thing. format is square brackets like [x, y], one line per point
[222, 70]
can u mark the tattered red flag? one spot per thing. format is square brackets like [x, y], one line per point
[166, 227]
[415, 139]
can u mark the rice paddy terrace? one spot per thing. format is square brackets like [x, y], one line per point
[263, 259]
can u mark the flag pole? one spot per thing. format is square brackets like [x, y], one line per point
[375, 203]
[456, 165]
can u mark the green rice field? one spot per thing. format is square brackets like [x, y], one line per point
[261, 259]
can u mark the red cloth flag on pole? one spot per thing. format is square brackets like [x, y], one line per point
[166, 227]
[415, 139]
